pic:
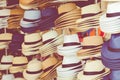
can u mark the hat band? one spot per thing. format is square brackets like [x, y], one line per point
[6, 62]
[49, 40]
[113, 14]
[77, 67]
[88, 47]
[28, 20]
[113, 49]
[93, 73]
[70, 65]
[30, 43]
[71, 44]
[35, 72]
[47, 69]
[93, 58]
[89, 15]
[19, 64]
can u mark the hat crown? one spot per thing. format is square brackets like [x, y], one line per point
[8, 58]
[71, 38]
[93, 8]
[8, 77]
[32, 14]
[34, 65]
[92, 40]
[20, 60]
[113, 7]
[94, 66]
[49, 35]
[114, 41]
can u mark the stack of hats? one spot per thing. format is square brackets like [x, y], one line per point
[89, 18]
[71, 65]
[91, 47]
[14, 19]
[93, 70]
[4, 13]
[5, 39]
[30, 21]
[17, 40]
[31, 44]
[109, 22]
[18, 64]
[49, 15]
[6, 62]
[33, 70]
[50, 40]
[68, 14]
[110, 52]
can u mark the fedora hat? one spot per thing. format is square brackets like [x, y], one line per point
[33, 70]
[91, 45]
[8, 77]
[19, 64]
[94, 69]
[5, 37]
[48, 36]
[112, 14]
[19, 79]
[6, 62]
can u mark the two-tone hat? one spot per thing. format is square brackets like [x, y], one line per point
[19, 64]
[31, 44]
[93, 70]
[33, 70]
[109, 22]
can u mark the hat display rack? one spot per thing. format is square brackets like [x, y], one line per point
[59, 40]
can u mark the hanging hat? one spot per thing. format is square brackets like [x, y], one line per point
[29, 22]
[8, 77]
[94, 69]
[108, 21]
[6, 62]
[19, 64]
[33, 70]
[91, 46]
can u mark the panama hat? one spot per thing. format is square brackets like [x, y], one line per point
[19, 79]
[8, 77]
[91, 45]
[5, 37]
[3, 3]
[96, 72]
[33, 70]
[112, 14]
[18, 65]
[6, 62]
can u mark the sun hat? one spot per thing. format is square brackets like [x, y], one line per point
[19, 79]
[19, 64]
[94, 69]
[112, 14]
[8, 77]
[48, 36]
[33, 70]
[91, 45]
[6, 62]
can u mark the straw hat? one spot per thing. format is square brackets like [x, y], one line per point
[3, 3]
[19, 79]
[18, 64]
[5, 37]
[94, 69]
[8, 77]
[91, 46]
[112, 14]
[33, 70]
[6, 62]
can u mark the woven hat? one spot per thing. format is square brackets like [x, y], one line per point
[91, 46]
[94, 69]
[30, 20]
[19, 79]
[33, 70]
[19, 64]
[5, 37]
[112, 14]
[8, 77]
[6, 62]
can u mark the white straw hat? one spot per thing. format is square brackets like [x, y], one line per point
[8, 77]
[6, 62]
[19, 79]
